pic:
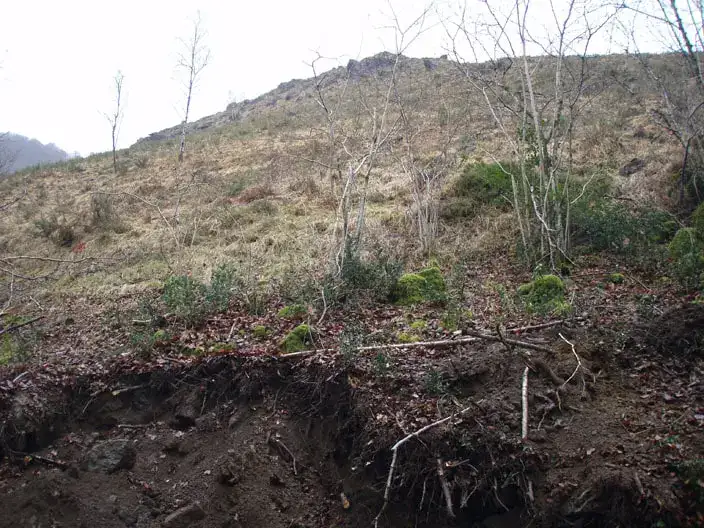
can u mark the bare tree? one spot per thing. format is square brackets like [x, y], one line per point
[7, 156]
[115, 117]
[535, 102]
[679, 26]
[192, 59]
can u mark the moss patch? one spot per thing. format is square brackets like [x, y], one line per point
[616, 278]
[544, 294]
[260, 332]
[292, 311]
[297, 339]
[428, 285]
[698, 221]
[407, 337]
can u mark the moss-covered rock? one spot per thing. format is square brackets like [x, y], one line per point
[428, 285]
[544, 294]
[684, 242]
[616, 278]
[260, 332]
[297, 339]
[292, 311]
[698, 221]
[687, 256]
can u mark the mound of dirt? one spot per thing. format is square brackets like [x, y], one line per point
[678, 332]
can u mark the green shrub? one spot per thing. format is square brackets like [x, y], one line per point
[221, 288]
[428, 285]
[434, 383]
[141, 162]
[544, 294]
[376, 276]
[58, 230]
[297, 339]
[606, 225]
[184, 297]
[486, 183]
[103, 212]
[292, 311]
[687, 257]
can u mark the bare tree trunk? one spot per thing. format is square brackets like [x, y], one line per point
[192, 60]
[116, 116]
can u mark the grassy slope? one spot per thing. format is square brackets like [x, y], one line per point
[245, 193]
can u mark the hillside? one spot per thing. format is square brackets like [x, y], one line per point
[18, 152]
[336, 269]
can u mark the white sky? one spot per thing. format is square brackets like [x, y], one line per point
[58, 58]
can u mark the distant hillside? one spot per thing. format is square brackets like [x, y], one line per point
[19, 152]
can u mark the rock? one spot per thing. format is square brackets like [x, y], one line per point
[206, 423]
[185, 516]
[178, 446]
[110, 456]
[632, 167]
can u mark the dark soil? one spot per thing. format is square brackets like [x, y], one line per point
[615, 428]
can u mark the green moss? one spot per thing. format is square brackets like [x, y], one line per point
[161, 336]
[297, 339]
[406, 337]
[687, 256]
[616, 278]
[698, 221]
[544, 294]
[292, 311]
[428, 285]
[684, 242]
[260, 332]
[419, 325]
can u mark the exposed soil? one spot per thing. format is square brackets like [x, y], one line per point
[615, 430]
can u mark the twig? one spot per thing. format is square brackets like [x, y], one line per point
[281, 445]
[514, 342]
[20, 376]
[132, 426]
[445, 489]
[325, 307]
[524, 398]
[579, 362]
[232, 330]
[20, 325]
[639, 484]
[534, 327]
[44, 460]
[394, 450]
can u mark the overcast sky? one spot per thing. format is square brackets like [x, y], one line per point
[58, 58]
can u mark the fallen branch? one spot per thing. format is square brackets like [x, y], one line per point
[534, 327]
[427, 344]
[514, 342]
[394, 450]
[20, 325]
[44, 460]
[524, 400]
[445, 489]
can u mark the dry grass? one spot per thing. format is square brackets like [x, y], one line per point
[245, 194]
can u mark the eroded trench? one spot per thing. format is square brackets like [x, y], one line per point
[232, 443]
